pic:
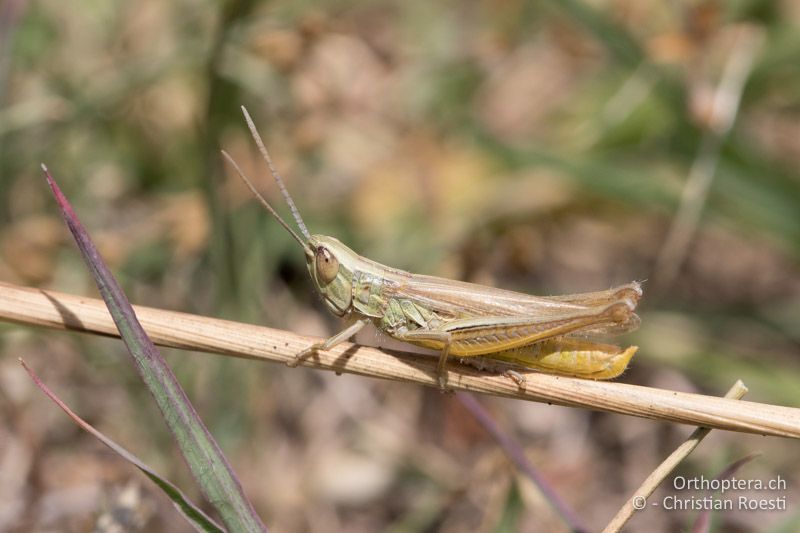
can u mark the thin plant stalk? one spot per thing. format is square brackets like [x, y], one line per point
[638, 499]
[191, 332]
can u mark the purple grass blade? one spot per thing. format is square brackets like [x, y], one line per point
[703, 522]
[209, 466]
[183, 504]
[515, 452]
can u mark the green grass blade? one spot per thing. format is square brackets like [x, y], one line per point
[189, 510]
[202, 453]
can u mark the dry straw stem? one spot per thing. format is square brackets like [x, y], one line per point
[180, 330]
[663, 470]
[724, 109]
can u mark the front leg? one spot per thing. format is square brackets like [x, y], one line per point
[340, 337]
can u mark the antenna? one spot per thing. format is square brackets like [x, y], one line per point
[262, 200]
[278, 179]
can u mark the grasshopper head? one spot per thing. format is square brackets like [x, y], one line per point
[330, 263]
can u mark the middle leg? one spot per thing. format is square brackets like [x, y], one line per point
[423, 335]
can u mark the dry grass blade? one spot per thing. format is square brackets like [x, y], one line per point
[181, 330]
[658, 475]
[698, 184]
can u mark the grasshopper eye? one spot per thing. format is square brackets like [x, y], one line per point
[327, 265]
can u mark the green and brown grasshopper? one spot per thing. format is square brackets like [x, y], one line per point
[455, 318]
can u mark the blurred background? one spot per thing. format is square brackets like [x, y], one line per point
[545, 147]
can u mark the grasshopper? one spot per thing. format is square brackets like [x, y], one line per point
[455, 318]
